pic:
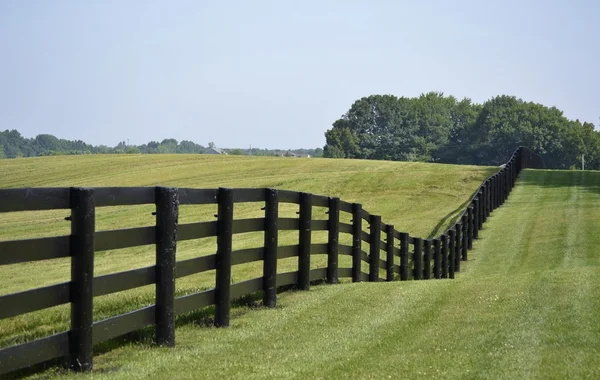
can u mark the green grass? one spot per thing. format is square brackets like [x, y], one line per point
[526, 305]
[418, 198]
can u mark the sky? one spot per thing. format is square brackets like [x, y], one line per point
[277, 74]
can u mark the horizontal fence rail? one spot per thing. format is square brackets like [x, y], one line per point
[418, 258]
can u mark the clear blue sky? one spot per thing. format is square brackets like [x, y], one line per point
[276, 74]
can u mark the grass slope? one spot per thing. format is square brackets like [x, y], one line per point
[525, 306]
[417, 198]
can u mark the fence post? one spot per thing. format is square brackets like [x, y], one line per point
[223, 259]
[484, 203]
[333, 225]
[270, 252]
[167, 214]
[418, 258]
[304, 241]
[457, 245]
[83, 225]
[404, 240]
[451, 252]
[470, 226]
[488, 199]
[465, 236]
[375, 242]
[444, 241]
[427, 259]
[389, 250]
[356, 241]
[436, 258]
[498, 190]
[476, 208]
[504, 184]
[494, 192]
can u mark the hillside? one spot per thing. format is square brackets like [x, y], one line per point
[415, 197]
[524, 306]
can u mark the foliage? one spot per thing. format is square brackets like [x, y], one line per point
[13, 145]
[436, 128]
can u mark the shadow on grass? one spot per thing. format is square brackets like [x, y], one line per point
[587, 180]
[203, 318]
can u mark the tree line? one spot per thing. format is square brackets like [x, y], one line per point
[13, 145]
[438, 128]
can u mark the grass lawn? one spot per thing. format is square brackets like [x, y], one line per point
[418, 198]
[525, 306]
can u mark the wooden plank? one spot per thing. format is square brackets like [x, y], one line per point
[365, 215]
[122, 324]
[31, 199]
[364, 236]
[287, 196]
[130, 237]
[189, 196]
[318, 274]
[345, 249]
[34, 352]
[20, 251]
[320, 201]
[247, 255]
[288, 224]
[118, 282]
[396, 268]
[344, 272]
[196, 230]
[196, 301]
[248, 195]
[289, 278]
[345, 206]
[345, 228]
[382, 264]
[123, 196]
[245, 287]
[241, 226]
[317, 249]
[364, 256]
[287, 251]
[196, 265]
[35, 299]
[364, 276]
[319, 225]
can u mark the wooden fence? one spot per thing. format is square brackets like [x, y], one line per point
[419, 258]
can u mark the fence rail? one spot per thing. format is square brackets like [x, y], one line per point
[429, 258]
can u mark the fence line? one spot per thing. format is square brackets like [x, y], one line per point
[442, 254]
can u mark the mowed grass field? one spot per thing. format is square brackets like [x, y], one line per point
[422, 199]
[526, 305]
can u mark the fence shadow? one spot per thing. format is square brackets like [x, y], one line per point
[586, 180]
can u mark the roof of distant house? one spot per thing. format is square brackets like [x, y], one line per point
[215, 150]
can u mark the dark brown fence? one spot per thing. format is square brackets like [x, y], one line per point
[419, 259]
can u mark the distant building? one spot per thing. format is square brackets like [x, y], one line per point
[214, 151]
[289, 153]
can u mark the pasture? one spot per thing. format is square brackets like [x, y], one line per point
[425, 196]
